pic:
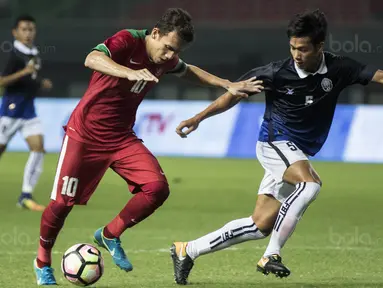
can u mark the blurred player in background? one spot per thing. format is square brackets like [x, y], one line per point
[301, 95]
[21, 84]
[99, 134]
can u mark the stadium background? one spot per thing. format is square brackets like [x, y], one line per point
[231, 36]
[338, 242]
[230, 40]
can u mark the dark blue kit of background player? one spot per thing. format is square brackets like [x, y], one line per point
[18, 97]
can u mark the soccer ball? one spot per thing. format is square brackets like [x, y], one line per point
[82, 264]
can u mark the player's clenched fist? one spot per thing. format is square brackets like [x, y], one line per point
[143, 74]
[190, 124]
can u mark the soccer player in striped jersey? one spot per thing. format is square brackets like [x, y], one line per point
[301, 96]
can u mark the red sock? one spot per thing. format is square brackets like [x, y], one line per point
[142, 205]
[52, 221]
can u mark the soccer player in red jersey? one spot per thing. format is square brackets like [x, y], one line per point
[99, 134]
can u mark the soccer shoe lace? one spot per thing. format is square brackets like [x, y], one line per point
[182, 263]
[44, 275]
[273, 264]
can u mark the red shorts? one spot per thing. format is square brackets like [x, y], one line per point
[81, 167]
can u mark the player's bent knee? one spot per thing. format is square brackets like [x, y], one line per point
[311, 191]
[307, 179]
[156, 192]
[313, 180]
[60, 210]
[310, 178]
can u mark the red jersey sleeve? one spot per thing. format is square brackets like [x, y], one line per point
[119, 46]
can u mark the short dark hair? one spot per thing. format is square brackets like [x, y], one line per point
[23, 17]
[311, 24]
[177, 19]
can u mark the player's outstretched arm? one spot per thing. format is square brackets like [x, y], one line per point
[98, 61]
[378, 77]
[242, 88]
[220, 105]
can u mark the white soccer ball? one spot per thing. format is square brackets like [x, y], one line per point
[82, 264]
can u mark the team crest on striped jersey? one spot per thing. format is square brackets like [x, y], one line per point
[326, 84]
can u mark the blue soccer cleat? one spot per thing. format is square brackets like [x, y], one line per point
[44, 276]
[114, 248]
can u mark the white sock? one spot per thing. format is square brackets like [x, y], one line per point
[232, 233]
[290, 213]
[32, 171]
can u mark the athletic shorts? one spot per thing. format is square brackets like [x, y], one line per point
[81, 167]
[275, 158]
[28, 127]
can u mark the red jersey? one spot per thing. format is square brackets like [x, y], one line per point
[106, 113]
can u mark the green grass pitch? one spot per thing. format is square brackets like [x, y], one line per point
[338, 243]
